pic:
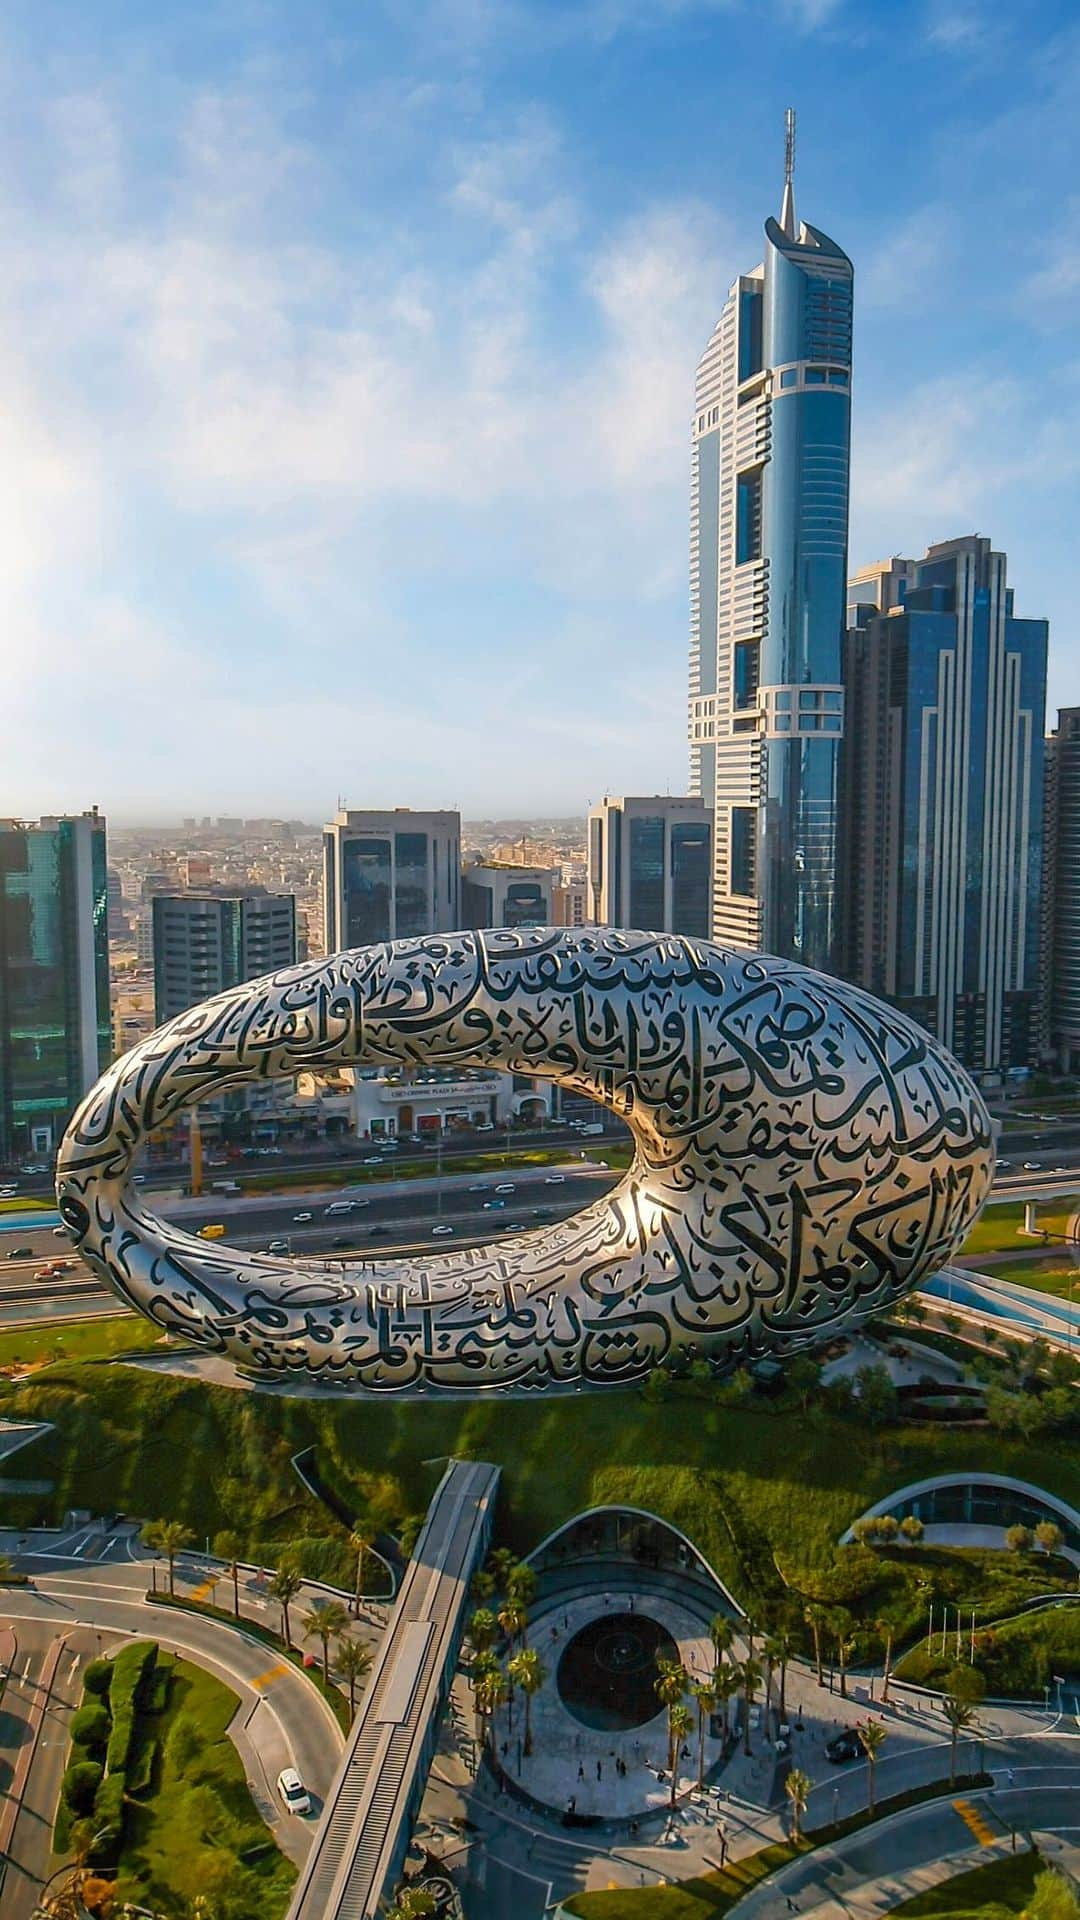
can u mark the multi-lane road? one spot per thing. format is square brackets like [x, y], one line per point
[386, 1216]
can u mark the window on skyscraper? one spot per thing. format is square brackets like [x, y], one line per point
[742, 852]
[748, 517]
[746, 672]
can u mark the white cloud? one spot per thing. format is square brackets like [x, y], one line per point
[906, 269]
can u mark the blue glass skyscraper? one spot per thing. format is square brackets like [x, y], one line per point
[769, 513]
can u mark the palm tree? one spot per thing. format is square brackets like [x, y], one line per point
[727, 1682]
[482, 1585]
[502, 1563]
[527, 1671]
[521, 1584]
[797, 1788]
[284, 1587]
[669, 1687]
[722, 1635]
[169, 1537]
[842, 1624]
[750, 1628]
[815, 1620]
[680, 1723]
[771, 1650]
[705, 1694]
[751, 1681]
[360, 1540]
[353, 1662]
[872, 1737]
[887, 1631]
[490, 1693]
[324, 1618]
[412, 1903]
[482, 1630]
[783, 1648]
[960, 1715]
[228, 1547]
[513, 1620]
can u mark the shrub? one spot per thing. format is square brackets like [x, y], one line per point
[80, 1784]
[90, 1726]
[140, 1770]
[97, 1676]
[132, 1671]
[108, 1820]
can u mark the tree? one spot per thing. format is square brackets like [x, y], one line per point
[1049, 1536]
[783, 1647]
[771, 1651]
[680, 1724]
[502, 1563]
[887, 1630]
[521, 1584]
[284, 1587]
[815, 1617]
[169, 1537]
[353, 1662]
[705, 1694]
[797, 1788]
[669, 1687]
[843, 1633]
[482, 1630]
[960, 1715]
[361, 1540]
[878, 1399]
[722, 1634]
[872, 1737]
[751, 1630]
[482, 1586]
[726, 1684]
[513, 1620]
[490, 1693]
[527, 1671]
[751, 1681]
[911, 1529]
[227, 1547]
[1019, 1539]
[804, 1378]
[412, 1903]
[324, 1619]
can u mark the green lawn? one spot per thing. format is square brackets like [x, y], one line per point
[1047, 1272]
[76, 1340]
[703, 1899]
[994, 1892]
[998, 1228]
[193, 1830]
[763, 1488]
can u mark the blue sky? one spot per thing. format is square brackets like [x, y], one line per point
[347, 356]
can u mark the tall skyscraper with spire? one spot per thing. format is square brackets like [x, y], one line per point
[768, 563]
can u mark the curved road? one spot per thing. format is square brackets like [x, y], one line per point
[282, 1719]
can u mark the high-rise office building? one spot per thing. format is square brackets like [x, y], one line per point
[205, 942]
[54, 976]
[570, 905]
[768, 559]
[1061, 964]
[498, 894]
[649, 864]
[943, 797]
[390, 875]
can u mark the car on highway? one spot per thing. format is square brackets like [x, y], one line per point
[294, 1794]
[371, 1160]
[844, 1746]
[440, 1230]
[337, 1207]
[493, 1206]
[277, 1246]
[8, 1193]
[506, 1187]
[45, 1273]
[482, 1186]
[1032, 1166]
[379, 1233]
[1003, 1166]
[21, 1253]
[341, 1240]
[301, 1219]
[511, 1226]
[59, 1233]
[554, 1179]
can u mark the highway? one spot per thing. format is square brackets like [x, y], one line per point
[387, 1216]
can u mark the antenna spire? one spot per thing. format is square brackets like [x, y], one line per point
[787, 211]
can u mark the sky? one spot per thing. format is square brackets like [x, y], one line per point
[347, 356]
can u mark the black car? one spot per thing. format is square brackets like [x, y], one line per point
[21, 1253]
[382, 1232]
[341, 1239]
[845, 1746]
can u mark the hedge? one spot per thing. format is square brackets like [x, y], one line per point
[132, 1669]
[80, 1785]
[108, 1820]
[97, 1676]
[90, 1726]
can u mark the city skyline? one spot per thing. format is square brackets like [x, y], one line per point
[302, 409]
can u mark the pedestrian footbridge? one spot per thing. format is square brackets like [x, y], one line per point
[364, 1832]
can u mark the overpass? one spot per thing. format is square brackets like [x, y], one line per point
[364, 1832]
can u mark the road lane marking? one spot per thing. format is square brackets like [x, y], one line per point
[973, 1820]
[205, 1589]
[271, 1674]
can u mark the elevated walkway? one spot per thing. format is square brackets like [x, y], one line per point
[364, 1833]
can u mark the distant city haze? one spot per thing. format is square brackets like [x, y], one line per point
[348, 372]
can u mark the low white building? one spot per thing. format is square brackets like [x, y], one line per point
[426, 1102]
